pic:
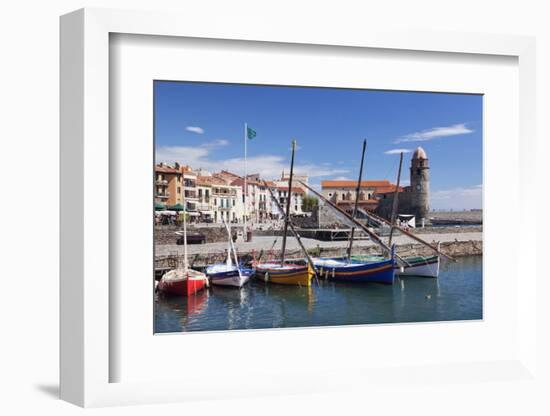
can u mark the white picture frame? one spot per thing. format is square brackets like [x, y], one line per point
[86, 355]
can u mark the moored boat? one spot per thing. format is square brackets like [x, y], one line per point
[285, 274]
[229, 273]
[422, 266]
[340, 269]
[181, 282]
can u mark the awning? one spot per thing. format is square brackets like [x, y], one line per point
[193, 214]
[165, 212]
[177, 207]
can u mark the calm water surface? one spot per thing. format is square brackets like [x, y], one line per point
[455, 295]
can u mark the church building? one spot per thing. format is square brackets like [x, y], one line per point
[377, 195]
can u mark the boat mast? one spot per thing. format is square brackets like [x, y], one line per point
[357, 189]
[228, 229]
[395, 199]
[231, 248]
[289, 197]
[280, 208]
[185, 264]
[245, 234]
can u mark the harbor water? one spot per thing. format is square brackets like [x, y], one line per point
[455, 295]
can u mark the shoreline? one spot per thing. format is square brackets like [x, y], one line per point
[456, 244]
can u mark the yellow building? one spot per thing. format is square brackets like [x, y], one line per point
[172, 183]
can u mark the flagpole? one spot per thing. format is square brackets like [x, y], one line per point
[245, 234]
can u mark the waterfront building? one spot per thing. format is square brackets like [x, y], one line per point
[297, 178]
[296, 197]
[204, 203]
[413, 199]
[172, 183]
[189, 190]
[219, 199]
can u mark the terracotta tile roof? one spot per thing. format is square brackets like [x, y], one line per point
[353, 184]
[388, 189]
[364, 201]
[294, 190]
[240, 182]
[204, 181]
[166, 169]
[210, 180]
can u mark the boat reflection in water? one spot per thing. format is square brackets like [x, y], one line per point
[179, 311]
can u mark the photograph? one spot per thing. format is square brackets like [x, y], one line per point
[282, 206]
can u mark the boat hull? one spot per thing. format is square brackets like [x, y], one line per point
[420, 266]
[180, 283]
[287, 275]
[228, 277]
[355, 272]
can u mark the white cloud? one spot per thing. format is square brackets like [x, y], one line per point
[215, 143]
[342, 178]
[434, 133]
[269, 166]
[195, 129]
[457, 198]
[397, 151]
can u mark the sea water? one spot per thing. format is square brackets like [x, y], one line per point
[455, 295]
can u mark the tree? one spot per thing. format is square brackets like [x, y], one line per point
[309, 203]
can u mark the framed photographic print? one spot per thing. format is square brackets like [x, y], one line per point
[227, 255]
[290, 212]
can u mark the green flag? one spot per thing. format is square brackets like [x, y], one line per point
[250, 133]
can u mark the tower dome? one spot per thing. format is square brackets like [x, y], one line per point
[419, 153]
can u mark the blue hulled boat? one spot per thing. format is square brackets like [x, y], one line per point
[229, 273]
[344, 270]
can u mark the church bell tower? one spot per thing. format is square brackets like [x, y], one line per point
[420, 184]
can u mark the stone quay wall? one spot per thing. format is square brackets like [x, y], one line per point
[451, 248]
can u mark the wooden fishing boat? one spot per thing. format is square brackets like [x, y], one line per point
[421, 266]
[181, 282]
[286, 274]
[340, 269]
[229, 273]
[283, 272]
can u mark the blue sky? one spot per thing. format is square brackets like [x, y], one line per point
[201, 124]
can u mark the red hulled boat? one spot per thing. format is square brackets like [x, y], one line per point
[181, 282]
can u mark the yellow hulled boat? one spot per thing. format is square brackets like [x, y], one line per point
[286, 274]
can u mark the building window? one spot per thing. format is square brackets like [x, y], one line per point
[179, 190]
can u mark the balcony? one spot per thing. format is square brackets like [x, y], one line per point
[163, 195]
[161, 182]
